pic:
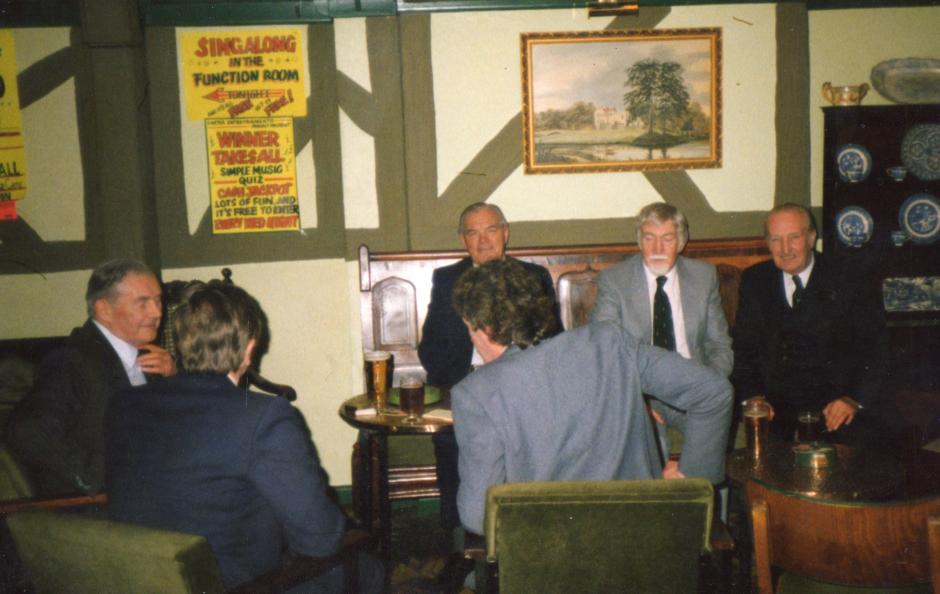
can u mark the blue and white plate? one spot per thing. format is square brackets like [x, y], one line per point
[920, 217]
[920, 151]
[854, 162]
[854, 225]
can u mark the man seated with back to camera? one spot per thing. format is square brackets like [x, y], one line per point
[569, 407]
[196, 453]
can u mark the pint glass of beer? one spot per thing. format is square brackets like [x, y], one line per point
[809, 428]
[378, 370]
[411, 393]
[756, 417]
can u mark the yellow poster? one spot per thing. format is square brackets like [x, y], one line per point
[251, 175]
[243, 73]
[12, 146]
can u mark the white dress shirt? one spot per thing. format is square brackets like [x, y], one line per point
[127, 353]
[789, 286]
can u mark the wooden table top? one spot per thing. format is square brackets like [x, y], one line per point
[856, 475]
[393, 422]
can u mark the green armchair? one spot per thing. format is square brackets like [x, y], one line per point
[79, 554]
[598, 536]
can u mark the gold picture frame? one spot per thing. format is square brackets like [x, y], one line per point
[638, 100]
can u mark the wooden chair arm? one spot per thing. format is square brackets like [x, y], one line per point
[15, 505]
[301, 568]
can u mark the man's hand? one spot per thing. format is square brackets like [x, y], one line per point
[671, 470]
[156, 360]
[840, 411]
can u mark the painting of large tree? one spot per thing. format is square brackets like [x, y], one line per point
[622, 100]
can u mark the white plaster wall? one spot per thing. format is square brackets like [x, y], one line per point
[54, 204]
[846, 44]
[307, 304]
[478, 89]
[48, 304]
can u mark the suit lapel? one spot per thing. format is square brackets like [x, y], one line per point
[640, 298]
[691, 295]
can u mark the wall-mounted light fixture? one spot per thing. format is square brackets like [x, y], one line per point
[612, 8]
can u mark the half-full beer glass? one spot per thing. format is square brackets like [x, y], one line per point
[411, 394]
[756, 417]
[378, 370]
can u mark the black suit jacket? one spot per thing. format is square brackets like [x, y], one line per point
[445, 349]
[834, 343]
[58, 428]
[195, 453]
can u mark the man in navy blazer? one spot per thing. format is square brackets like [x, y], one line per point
[809, 335]
[569, 407]
[445, 351]
[196, 453]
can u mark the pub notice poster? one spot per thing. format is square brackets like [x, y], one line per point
[243, 73]
[12, 146]
[252, 177]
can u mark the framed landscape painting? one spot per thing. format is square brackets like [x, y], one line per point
[621, 100]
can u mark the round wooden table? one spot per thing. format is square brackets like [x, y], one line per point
[371, 474]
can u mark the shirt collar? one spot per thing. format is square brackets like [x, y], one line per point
[804, 276]
[126, 352]
[651, 278]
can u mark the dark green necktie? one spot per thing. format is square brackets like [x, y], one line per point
[798, 291]
[663, 334]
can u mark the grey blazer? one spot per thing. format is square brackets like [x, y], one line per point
[572, 408]
[623, 297]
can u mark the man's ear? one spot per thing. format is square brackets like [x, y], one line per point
[103, 311]
[249, 351]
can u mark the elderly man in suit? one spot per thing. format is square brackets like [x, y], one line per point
[666, 299]
[58, 428]
[197, 453]
[568, 407]
[445, 350]
[810, 334]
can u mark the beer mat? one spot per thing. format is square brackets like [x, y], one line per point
[439, 414]
[432, 395]
[370, 412]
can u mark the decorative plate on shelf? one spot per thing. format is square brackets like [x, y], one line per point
[920, 151]
[854, 162]
[854, 226]
[920, 217]
[908, 80]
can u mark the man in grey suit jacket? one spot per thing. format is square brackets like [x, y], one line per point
[625, 292]
[568, 407]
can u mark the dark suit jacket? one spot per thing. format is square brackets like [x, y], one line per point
[58, 428]
[196, 454]
[445, 350]
[834, 343]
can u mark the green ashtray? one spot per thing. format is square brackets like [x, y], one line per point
[432, 394]
[815, 455]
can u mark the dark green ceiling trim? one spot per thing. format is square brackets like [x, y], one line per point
[39, 13]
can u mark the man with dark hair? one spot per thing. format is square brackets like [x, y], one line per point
[536, 409]
[445, 350]
[196, 453]
[58, 428]
[809, 335]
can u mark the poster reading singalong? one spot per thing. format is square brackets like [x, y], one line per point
[243, 73]
[252, 176]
